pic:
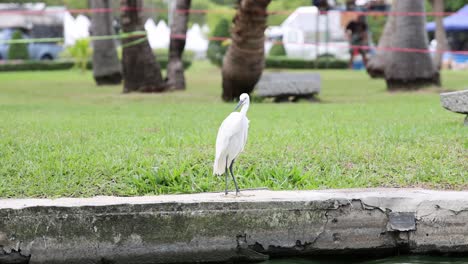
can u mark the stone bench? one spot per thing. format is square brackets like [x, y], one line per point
[284, 86]
[456, 102]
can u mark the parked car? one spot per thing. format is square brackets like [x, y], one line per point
[37, 51]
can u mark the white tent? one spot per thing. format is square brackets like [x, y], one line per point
[196, 41]
[69, 29]
[82, 24]
[158, 35]
[301, 28]
[75, 29]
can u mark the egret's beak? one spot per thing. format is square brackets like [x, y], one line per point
[239, 105]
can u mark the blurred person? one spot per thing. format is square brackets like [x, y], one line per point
[356, 32]
[350, 5]
[322, 5]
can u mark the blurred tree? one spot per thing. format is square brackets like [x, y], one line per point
[216, 49]
[18, 51]
[141, 70]
[441, 36]
[106, 64]
[410, 70]
[376, 65]
[244, 60]
[175, 67]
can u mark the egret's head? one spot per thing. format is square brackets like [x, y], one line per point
[244, 98]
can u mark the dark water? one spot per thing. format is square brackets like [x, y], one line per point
[391, 260]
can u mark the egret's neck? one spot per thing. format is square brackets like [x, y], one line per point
[245, 107]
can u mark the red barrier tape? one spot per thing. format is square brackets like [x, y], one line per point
[206, 11]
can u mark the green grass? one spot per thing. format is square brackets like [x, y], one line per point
[60, 135]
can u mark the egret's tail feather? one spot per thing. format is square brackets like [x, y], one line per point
[219, 167]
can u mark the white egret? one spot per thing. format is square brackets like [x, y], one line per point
[231, 139]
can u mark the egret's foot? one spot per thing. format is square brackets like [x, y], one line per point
[226, 193]
[230, 196]
[237, 193]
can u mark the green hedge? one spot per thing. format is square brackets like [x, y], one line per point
[276, 62]
[62, 65]
[36, 65]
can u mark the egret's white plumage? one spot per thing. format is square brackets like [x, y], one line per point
[231, 139]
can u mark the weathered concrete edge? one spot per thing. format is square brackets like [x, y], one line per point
[213, 227]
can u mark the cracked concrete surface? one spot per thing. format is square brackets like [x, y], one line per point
[212, 227]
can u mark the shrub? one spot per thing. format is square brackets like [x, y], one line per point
[293, 63]
[18, 51]
[216, 49]
[277, 50]
[81, 53]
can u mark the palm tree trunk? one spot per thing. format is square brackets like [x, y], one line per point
[106, 64]
[440, 34]
[141, 70]
[410, 70]
[244, 60]
[175, 67]
[376, 65]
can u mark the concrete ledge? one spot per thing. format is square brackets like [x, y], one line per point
[211, 227]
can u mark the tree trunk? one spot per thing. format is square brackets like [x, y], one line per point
[175, 67]
[244, 60]
[440, 34]
[106, 64]
[141, 70]
[376, 65]
[410, 70]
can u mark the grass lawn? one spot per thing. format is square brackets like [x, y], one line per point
[60, 135]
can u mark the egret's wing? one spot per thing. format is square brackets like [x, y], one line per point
[230, 127]
[227, 130]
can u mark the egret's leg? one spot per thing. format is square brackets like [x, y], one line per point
[226, 178]
[234, 178]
